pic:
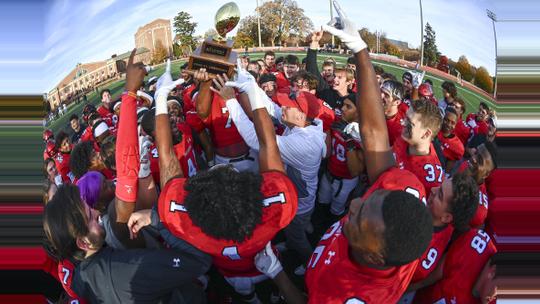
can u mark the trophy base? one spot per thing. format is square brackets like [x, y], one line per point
[215, 57]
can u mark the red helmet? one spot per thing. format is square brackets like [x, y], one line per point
[50, 149]
[425, 90]
[47, 135]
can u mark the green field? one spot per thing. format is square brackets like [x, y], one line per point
[472, 98]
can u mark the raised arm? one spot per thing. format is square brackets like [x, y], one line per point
[203, 103]
[269, 157]
[169, 166]
[127, 144]
[311, 60]
[377, 151]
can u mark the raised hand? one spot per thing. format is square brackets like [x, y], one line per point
[135, 73]
[316, 37]
[417, 78]
[345, 30]
[222, 90]
[165, 84]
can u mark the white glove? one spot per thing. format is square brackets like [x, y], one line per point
[144, 148]
[267, 262]
[345, 30]
[472, 123]
[164, 86]
[417, 78]
[353, 129]
[245, 82]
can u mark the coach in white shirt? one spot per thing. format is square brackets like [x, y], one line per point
[302, 147]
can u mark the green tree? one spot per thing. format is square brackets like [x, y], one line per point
[369, 38]
[177, 50]
[248, 28]
[184, 29]
[210, 33]
[280, 20]
[430, 47]
[160, 53]
[483, 80]
[392, 49]
[464, 68]
[242, 40]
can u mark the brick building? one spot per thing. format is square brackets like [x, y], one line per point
[86, 76]
[148, 35]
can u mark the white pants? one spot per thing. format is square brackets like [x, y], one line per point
[248, 162]
[245, 285]
[335, 192]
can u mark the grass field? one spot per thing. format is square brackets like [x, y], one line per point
[472, 98]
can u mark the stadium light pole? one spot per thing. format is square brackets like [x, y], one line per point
[331, 17]
[493, 18]
[259, 23]
[421, 35]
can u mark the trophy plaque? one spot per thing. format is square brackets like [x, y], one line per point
[215, 54]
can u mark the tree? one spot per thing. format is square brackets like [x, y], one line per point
[391, 48]
[369, 38]
[248, 28]
[430, 47]
[280, 20]
[177, 50]
[242, 40]
[184, 29]
[160, 53]
[210, 33]
[464, 68]
[483, 80]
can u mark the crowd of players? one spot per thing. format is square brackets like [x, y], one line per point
[148, 196]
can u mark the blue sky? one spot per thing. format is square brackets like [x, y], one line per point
[51, 37]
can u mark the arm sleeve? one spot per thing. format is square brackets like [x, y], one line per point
[243, 124]
[311, 66]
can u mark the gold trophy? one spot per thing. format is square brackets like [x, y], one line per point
[215, 54]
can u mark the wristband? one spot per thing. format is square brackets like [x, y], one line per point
[161, 104]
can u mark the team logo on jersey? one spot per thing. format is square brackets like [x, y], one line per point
[176, 262]
[331, 254]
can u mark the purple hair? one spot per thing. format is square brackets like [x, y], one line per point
[90, 187]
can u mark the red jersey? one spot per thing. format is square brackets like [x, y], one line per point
[220, 124]
[231, 258]
[282, 83]
[394, 126]
[66, 270]
[403, 107]
[106, 115]
[427, 168]
[462, 131]
[62, 166]
[337, 163]
[309, 104]
[481, 212]
[481, 127]
[483, 201]
[331, 265]
[194, 121]
[452, 147]
[87, 135]
[184, 151]
[464, 262]
[186, 97]
[431, 257]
